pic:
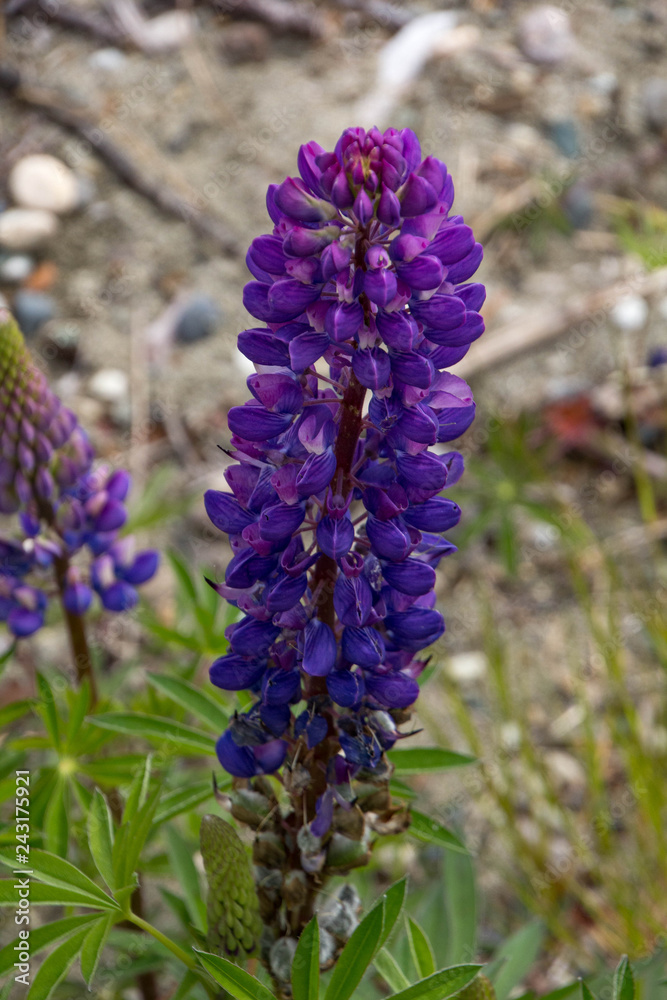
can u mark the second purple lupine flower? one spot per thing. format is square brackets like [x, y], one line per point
[335, 516]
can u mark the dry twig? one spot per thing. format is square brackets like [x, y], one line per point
[48, 102]
[299, 18]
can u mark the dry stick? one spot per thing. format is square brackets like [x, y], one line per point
[155, 191]
[386, 15]
[77, 19]
[546, 324]
[302, 19]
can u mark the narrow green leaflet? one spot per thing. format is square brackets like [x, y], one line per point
[624, 984]
[416, 760]
[49, 895]
[357, 955]
[14, 711]
[47, 709]
[42, 937]
[62, 875]
[392, 901]
[420, 949]
[563, 992]
[202, 705]
[93, 947]
[55, 966]
[432, 832]
[519, 952]
[138, 792]
[180, 855]
[390, 970]
[100, 837]
[585, 992]
[236, 981]
[440, 985]
[126, 856]
[183, 799]
[56, 822]
[78, 706]
[306, 964]
[154, 728]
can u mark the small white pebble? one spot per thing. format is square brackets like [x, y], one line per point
[630, 313]
[42, 181]
[466, 668]
[109, 385]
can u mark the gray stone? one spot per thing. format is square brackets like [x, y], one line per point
[545, 35]
[32, 310]
[654, 103]
[563, 134]
[24, 228]
[200, 318]
[16, 268]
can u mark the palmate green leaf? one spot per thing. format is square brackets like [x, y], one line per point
[392, 902]
[93, 946]
[420, 949]
[417, 760]
[55, 966]
[624, 983]
[306, 964]
[357, 955]
[441, 985]
[236, 981]
[47, 709]
[156, 729]
[430, 831]
[56, 822]
[180, 855]
[390, 970]
[518, 954]
[46, 895]
[62, 875]
[100, 837]
[42, 937]
[198, 702]
[183, 799]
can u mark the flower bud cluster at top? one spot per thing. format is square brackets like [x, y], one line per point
[64, 507]
[334, 516]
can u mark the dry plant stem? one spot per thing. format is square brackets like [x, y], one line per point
[87, 22]
[49, 103]
[299, 18]
[540, 327]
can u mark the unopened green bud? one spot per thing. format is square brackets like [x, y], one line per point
[234, 923]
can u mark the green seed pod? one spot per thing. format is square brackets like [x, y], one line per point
[268, 850]
[250, 807]
[234, 923]
[344, 854]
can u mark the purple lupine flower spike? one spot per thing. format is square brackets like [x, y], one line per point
[64, 506]
[335, 514]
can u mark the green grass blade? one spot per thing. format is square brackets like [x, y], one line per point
[390, 970]
[306, 964]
